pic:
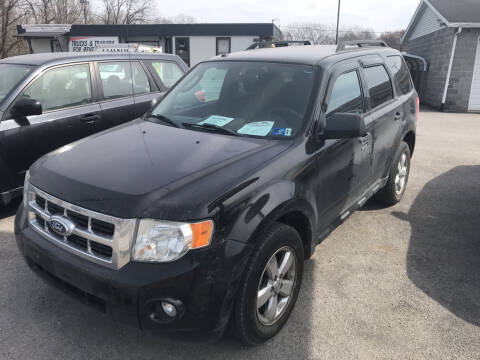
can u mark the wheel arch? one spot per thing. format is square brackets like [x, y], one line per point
[410, 138]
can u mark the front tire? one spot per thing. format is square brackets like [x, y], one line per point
[270, 285]
[396, 185]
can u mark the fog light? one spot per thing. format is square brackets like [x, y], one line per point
[169, 309]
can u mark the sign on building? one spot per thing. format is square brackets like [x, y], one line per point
[90, 43]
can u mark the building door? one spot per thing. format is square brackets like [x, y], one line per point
[474, 103]
[182, 49]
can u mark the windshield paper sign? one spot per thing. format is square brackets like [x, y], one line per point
[216, 120]
[259, 128]
[90, 43]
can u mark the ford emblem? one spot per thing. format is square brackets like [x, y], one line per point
[61, 226]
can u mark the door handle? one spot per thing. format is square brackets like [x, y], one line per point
[89, 118]
[365, 141]
[398, 115]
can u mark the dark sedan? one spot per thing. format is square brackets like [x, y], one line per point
[50, 100]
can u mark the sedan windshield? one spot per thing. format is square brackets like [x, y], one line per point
[11, 75]
[240, 99]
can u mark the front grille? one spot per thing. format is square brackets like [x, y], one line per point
[101, 238]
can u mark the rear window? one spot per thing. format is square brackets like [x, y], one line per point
[401, 75]
[379, 85]
[168, 72]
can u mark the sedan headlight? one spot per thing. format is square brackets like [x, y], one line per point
[164, 241]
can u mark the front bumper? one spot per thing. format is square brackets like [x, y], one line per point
[203, 281]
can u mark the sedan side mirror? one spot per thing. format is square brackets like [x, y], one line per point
[155, 101]
[344, 126]
[26, 107]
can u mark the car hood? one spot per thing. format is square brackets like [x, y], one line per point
[128, 170]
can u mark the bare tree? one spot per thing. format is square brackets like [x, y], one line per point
[324, 34]
[125, 11]
[183, 19]
[11, 13]
[393, 38]
[58, 11]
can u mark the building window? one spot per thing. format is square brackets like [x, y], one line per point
[223, 45]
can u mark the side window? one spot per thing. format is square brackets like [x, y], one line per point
[141, 85]
[379, 85]
[62, 87]
[116, 79]
[401, 74]
[168, 72]
[346, 96]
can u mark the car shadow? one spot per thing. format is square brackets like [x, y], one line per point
[443, 258]
[36, 310]
[10, 209]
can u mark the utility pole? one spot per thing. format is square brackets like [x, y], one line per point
[84, 4]
[338, 22]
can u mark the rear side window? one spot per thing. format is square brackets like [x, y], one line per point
[346, 96]
[141, 85]
[401, 75]
[62, 87]
[379, 85]
[168, 72]
[116, 79]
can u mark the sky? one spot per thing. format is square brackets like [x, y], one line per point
[379, 15]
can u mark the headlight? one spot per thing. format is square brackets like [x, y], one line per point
[25, 189]
[164, 241]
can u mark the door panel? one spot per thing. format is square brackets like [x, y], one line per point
[116, 92]
[23, 144]
[385, 117]
[344, 165]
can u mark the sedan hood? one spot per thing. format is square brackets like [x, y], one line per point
[123, 170]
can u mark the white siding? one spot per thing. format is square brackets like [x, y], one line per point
[427, 23]
[474, 102]
[41, 46]
[205, 47]
[201, 48]
[240, 43]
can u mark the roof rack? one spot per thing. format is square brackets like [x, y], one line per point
[342, 45]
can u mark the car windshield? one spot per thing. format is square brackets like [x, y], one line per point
[240, 98]
[11, 75]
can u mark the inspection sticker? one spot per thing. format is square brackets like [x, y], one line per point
[282, 131]
[216, 120]
[259, 128]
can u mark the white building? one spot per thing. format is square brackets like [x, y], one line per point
[192, 42]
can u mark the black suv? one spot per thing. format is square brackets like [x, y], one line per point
[202, 213]
[50, 100]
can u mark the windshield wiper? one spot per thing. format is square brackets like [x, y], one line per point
[212, 128]
[163, 118]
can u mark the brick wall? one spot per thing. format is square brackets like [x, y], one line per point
[436, 49]
[460, 84]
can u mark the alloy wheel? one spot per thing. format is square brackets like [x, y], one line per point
[401, 177]
[276, 286]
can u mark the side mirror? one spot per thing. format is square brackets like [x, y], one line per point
[155, 101]
[344, 126]
[26, 107]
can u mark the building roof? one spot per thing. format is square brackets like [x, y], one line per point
[41, 30]
[234, 29]
[59, 57]
[448, 13]
[458, 11]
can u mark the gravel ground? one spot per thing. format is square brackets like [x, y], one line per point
[400, 282]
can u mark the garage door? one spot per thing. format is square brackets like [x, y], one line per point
[474, 104]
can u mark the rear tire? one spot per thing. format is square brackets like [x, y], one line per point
[269, 286]
[396, 185]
